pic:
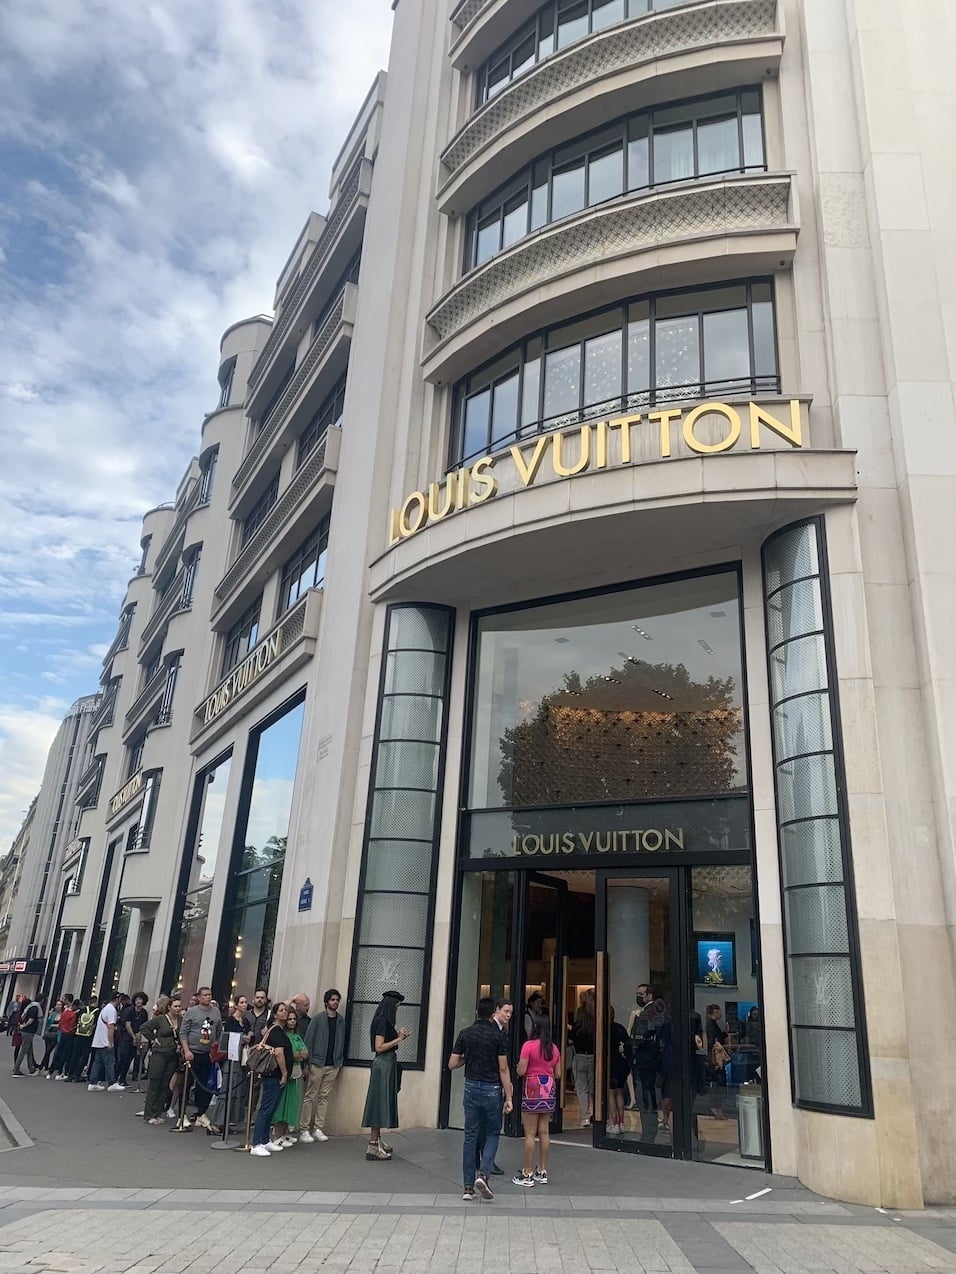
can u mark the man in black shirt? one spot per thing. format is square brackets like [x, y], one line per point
[257, 1016]
[483, 1051]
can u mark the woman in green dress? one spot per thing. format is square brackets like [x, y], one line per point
[290, 1103]
[381, 1104]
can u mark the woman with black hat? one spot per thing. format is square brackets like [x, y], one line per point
[381, 1104]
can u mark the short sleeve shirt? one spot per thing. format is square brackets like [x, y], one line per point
[537, 1065]
[101, 1036]
[481, 1044]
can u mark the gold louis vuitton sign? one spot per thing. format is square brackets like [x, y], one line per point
[586, 450]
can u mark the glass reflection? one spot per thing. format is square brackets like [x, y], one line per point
[624, 696]
[211, 787]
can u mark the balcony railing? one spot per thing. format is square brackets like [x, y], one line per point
[120, 641]
[147, 696]
[354, 186]
[264, 440]
[104, 713]
[172, 602]
[172, 540]
[283, 509]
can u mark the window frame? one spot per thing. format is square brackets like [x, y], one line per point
[259, 512]
[241, 631]
[516, 355]
[329, 416]
[319, 539]
[605, 138]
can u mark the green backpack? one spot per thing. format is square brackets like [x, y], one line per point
[87, 1022]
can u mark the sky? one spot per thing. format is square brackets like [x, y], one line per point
[157, 160]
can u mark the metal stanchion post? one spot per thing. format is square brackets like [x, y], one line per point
[225, 1143]
[247, 1143]
[180, 1124]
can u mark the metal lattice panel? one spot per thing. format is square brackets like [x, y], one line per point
[360, 1021]
[812, 852]
[816, 920]
[407, 765]
[799, 666]
[394, 920]
[821, 991]
[795, 610]
[411, 629]
[612, 230]
[826, 1068]
[399, 864]
[803, 725]
[806, 786]
[414, 672]
[406, 815]
[410, 717]
[640, 40]
[378, 971]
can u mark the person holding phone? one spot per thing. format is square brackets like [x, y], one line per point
[381, 1103]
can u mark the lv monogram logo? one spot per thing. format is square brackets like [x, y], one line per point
[389, 969]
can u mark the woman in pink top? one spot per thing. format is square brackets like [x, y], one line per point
[538, 1065]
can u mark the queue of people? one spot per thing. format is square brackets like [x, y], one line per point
[180, 1048]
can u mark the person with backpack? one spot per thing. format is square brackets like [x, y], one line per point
[30, 1021]
[85, 1026]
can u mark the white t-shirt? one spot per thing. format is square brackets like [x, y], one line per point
[101, 1036]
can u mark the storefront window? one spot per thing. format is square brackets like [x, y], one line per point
[626, 696]
[210, 795]
[247, 934]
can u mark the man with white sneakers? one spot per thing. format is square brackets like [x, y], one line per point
[325, 1040]
[102, 1054]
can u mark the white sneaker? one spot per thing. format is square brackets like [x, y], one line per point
[319, 1135]
[288, 1142]
[261, 1152]
[172, 1113]
[116, 1088]
[203, 1121]
[49, 1076]
[59, 1077]
[274, 1146]
[306, 1137]
[96, 1088]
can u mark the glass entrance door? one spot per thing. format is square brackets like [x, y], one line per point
[642, 1036]
[541, 984]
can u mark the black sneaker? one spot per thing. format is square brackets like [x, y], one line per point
[468, 1194]
[483, 1188]
[519, 1179]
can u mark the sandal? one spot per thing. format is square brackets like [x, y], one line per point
[377, 1150]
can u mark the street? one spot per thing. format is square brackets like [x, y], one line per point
[84, 1188]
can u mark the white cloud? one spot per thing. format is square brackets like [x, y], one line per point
[159, 161]
[25, 738]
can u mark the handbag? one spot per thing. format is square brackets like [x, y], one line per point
[262, 1060]
[719, 1055]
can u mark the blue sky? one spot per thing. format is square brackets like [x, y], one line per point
[157, 160]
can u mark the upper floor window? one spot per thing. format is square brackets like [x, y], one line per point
[269, 409]
[329, 416]
[144, 545]
[721, 133]
[656, 349]
[305, 569]
[226, 377]
[189, 577]
[134, 755]
[556, 25]
[126, 622]
[152, 668]
[164, 713]
[206, 475]
[242, 636]
[349, 275]
[259, 512]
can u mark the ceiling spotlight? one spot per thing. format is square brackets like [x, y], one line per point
[702, 643]
[663, 694]
[562, 640]
[638, 629]
[718, 614]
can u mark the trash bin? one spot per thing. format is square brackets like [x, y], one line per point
[750, 1121]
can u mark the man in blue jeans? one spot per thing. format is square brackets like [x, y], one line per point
[482, 1049]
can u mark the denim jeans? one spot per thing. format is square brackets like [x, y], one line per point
[103, 1061]
[483, 1107]
[271, 1093]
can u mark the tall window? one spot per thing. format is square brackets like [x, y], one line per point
[144, 545]
[349, 275]
[305, 569]
[206, 476]
[329, 416]
[273, 403]
[259, 512]
[721, 133]
[189, 577]
[556, 25]
[134, 755]
[247, 933]
[164, 713]
[140, 835]
[242, 636]
[184, 962]
[226, 377]
[652, 350]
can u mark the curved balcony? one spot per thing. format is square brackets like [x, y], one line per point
[174, 540]
[696, 49]
[172, 602]
[704, 231]
[324, 362]
[306, 499]
[336, 244]
[616, 499]
[145, 702]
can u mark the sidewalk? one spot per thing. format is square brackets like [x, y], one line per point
[96, 1192]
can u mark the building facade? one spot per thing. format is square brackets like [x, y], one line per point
[559, 601]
